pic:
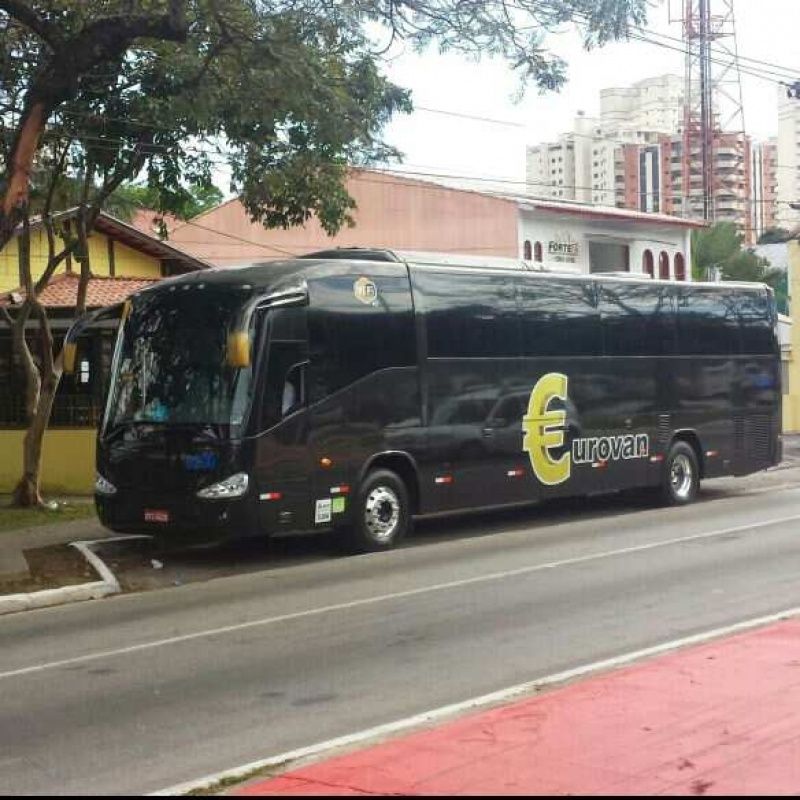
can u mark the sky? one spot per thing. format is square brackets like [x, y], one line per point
[436, 143]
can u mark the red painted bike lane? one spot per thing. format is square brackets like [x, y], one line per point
[718, 719]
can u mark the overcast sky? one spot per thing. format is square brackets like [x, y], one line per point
[768, 30]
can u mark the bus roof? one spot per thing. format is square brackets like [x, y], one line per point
[263, 276]
[471, 261]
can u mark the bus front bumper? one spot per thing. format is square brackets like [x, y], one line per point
[177, 518]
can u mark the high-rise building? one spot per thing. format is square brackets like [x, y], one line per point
[788, 161]
[550, 170]
[650, 105]
[765, 186]
[631, 156]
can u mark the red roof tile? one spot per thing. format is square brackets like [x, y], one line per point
[62, 291]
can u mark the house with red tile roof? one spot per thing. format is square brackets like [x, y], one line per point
[123, 260]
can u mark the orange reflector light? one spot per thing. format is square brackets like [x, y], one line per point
[70, 353]
[238, 349]
[325, 462]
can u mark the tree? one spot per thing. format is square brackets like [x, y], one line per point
[745, 265]
[285, 93]
[188, 202]
[720, 248]
[712, 247]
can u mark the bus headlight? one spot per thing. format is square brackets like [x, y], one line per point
[103, 486]
[235, 486]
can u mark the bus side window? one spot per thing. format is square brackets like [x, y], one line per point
[283, 382]
[294, 389]
[559, 318]
[283, 378]
[756, 318]
[638, 320]
[475, 316]
[708, 322]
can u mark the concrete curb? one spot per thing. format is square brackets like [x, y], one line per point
[94, 590]
[53, 597]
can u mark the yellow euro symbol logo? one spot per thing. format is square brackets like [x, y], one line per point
[540, 436]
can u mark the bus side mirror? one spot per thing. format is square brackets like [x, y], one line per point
[70, 354]
[238, 350]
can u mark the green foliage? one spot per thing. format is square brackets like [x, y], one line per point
[781, 286]
[720, 248]
[775, 236]
[712, 247]
[283, 94]
[188, 202]
[745, 265]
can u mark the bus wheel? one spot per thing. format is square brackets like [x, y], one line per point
[681, 479]
[381, 516]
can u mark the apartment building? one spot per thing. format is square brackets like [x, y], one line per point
[765, 186]
[632, 156]
[654, 105]
[788, 166]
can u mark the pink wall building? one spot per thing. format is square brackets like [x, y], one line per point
[392, 211]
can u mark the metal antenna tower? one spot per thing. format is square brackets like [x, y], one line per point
[713, 114]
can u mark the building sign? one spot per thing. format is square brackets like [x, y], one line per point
[563, 248]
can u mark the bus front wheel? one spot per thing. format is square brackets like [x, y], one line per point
[681, 478]
[382, 513]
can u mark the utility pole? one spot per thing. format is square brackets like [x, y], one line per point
[715, 153]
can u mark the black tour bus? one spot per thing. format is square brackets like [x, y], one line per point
[355, 389]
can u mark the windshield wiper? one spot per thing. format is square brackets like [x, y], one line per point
[112, 430]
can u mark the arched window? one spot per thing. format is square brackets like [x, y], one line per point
[526, 251]
[537, 252]
[680, 267]
[663, 266]
[648, 264]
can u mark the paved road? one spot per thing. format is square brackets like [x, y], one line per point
[137, 693]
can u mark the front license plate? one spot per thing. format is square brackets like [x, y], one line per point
[156, 515]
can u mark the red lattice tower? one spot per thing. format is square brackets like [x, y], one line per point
[715, 151]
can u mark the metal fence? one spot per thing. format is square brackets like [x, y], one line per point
[69, 411]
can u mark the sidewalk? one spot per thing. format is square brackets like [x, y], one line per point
[718, 719]
[13, 542]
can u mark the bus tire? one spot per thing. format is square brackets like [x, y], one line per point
[381, 513]
[681, 478]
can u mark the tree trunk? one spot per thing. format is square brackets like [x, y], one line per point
[28, 491]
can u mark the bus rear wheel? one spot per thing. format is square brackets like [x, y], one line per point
[382, 514]
[681, 478]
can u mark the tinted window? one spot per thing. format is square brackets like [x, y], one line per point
[282, 375]
[559, 318]
[638, 320]
[708, 322]
[468, 315]
[288, 325]
[283, 381]
[172, 366]
[609, 257]
[757, 319]
[351, 339]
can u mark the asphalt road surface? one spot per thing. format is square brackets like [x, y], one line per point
[141, 692]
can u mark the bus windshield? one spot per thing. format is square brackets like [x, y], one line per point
[171, 364]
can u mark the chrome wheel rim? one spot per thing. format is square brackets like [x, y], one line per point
[681, 476]
[382, 513]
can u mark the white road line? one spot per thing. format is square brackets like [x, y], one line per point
[367, 601]
[439, 715]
